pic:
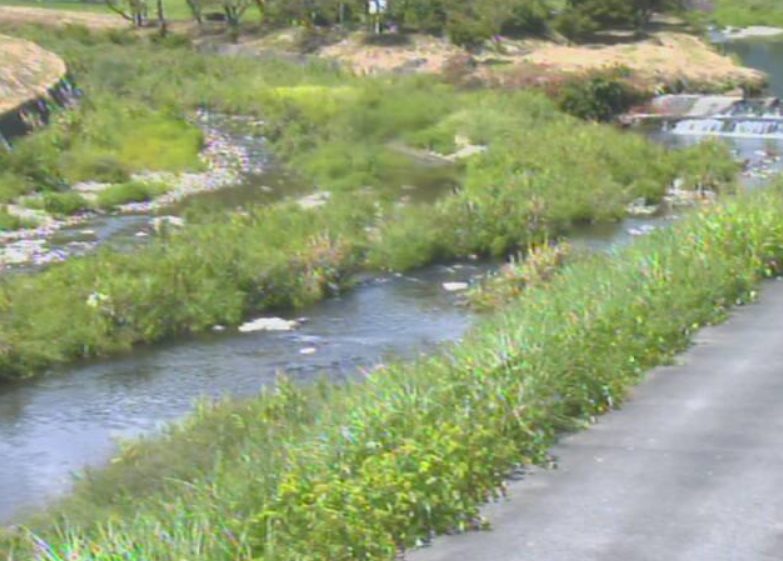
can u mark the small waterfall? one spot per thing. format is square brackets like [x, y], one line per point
[699, 127]
[737, 127]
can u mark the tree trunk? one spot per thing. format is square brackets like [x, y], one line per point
[162, 25]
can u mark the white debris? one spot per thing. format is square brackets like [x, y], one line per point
[268, 324]
[159, 222]
[315, 200]
[308, 351]
[455, 286]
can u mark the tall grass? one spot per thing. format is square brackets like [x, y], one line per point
[365, 470]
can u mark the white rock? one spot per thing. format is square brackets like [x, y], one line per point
[268, 324]
[315, 200]
[171, 221]
[455, 286]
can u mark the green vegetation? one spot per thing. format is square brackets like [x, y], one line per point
[104, 140]
[542, 172]
[8, 221]
[469, 23]
[536, 267]
[64, 204]
[740, 13]
[365, 470]
[131, 192]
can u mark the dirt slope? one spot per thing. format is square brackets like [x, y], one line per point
[26, 72]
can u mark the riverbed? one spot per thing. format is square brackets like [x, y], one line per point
[52, 427]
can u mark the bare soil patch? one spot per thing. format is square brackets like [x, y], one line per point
[46, 16]
[660, 58]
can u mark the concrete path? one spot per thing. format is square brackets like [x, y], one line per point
[691, 469]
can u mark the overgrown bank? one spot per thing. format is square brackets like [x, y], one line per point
[740, 13]
[541, 173]
[366, 470]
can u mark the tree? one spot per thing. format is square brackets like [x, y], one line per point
[134, 11]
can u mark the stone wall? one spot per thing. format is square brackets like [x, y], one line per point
[36, 113]
[33, 82]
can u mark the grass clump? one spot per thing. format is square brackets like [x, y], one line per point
[64, 203]
[535, 268]
[366, 470]
[9, 221]
[131, 192]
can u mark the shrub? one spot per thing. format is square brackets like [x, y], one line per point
[8, 221]
[64, 203]
[131, 192]
[598, 97]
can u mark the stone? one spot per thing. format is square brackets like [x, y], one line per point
[268, 324]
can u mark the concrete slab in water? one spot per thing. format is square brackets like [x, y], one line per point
[691, 469]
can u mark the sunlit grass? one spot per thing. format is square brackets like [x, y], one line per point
[365, 470]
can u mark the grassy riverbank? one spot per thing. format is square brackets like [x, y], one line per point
[742, 13]
[362, 471]
[541, 173]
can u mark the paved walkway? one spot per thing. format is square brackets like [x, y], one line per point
[691, 469]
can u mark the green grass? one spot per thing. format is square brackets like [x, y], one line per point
[740, 13]
[131, 192]
[365, 470]
[175, 9]
[8, 221]
[64, 204]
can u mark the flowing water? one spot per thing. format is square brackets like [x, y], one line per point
[54, 426]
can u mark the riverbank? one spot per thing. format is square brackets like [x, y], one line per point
[747, 13]
[317, 471]
[336, 130]
[225, 163]
[27, 73]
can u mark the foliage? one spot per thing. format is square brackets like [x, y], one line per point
[131, 192]
[64, 203]
[366, 470]
[599, 96]
[741, 13]
[9, 221]
[583, 17]
[542, 173]
[534, 268]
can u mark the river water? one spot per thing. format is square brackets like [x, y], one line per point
[52, 427]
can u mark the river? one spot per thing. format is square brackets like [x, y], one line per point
[54, 426]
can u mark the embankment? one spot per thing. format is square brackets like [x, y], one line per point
[32, 80]
[367, 470]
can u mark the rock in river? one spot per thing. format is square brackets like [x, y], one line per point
[268, 324]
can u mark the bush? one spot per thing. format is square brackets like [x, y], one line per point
[64, 204]
[597, 98]
[575, 25]
[85, 165]
[8, 221]
[468, 32]
[132, 192]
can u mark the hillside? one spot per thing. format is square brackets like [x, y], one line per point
[26, 72]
